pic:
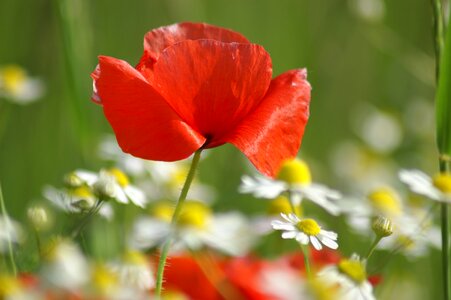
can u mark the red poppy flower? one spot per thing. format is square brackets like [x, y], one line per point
[198, 85]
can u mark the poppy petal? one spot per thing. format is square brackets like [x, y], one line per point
[212, 85]
[157, 40]
[273, 132]
[144, 124]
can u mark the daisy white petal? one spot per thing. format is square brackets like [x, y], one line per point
[261, 187]
[289, 235]
[420, 183]
[316, 244]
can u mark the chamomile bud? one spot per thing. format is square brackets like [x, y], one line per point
[72, 180]
[382, 226]
[38, 217]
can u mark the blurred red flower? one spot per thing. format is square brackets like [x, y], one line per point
[199, 85]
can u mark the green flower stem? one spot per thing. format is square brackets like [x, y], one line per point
[38, 242]
[10, 244]
[95, 209]
[306, 254]
[175, 217]
[373, 246]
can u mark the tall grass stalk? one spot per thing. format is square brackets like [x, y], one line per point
[72, 20]
[443, 115]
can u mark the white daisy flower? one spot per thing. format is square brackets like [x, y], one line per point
[437, 188]
[349, 279]
[197, 227]
[76, 200]
[305, 231]
[65, 265]
[382, 201]
[17, 86]
[159, 180]
[293, 178]
[413, 240]
[114, 183]
[167, 178]
[134, 271]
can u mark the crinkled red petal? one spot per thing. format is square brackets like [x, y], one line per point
[213, 86]
[273, 132]
[144, 124]
[157, 40]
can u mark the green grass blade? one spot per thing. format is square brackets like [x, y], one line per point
[443, 102]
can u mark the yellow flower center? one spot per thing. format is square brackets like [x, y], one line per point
[309, 227]
[163, 210]
[9, 285]
[50, 250]
[81, 192]
[386, 202]
[281, 205]
[104, 279]
[134, 258]
[194, 214]
[320, 290]
[354, 269]
[120, 176]
[442, 181]
[294, 171]
[12, 78]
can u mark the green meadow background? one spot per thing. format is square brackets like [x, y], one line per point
[387, 62]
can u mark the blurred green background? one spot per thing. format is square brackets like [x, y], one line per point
[359, 53]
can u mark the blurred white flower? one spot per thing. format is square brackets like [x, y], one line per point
[10, 231]
[349, 279]
[361, 168]
[437, 188]
[17, 86]
[109, 150]
[134, 271]
[115, 183]
[379, 130]
[305, 231]
[76, 200]
[293, 179]
[410, 235]
[65, 266]
[282, 283]
[369, 10]
[159, 180]
[197, 227]
[413, 240]
[383, 201]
